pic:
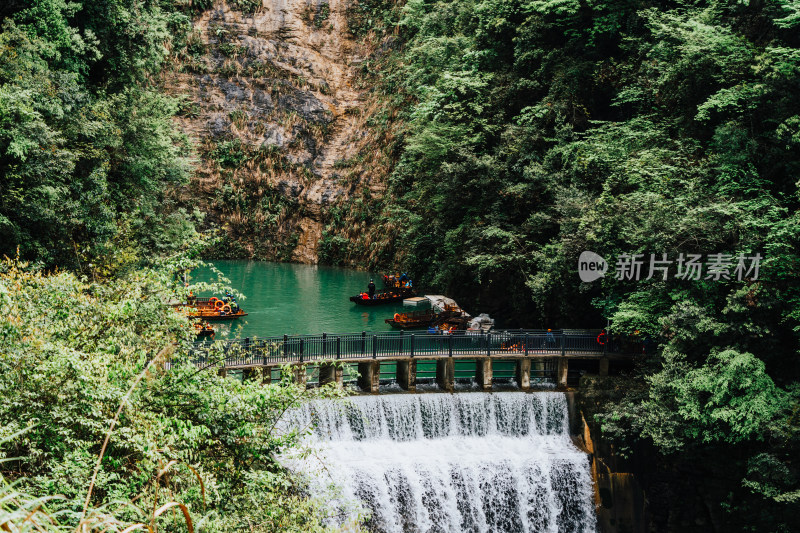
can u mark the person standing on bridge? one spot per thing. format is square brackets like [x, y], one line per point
[371, 289]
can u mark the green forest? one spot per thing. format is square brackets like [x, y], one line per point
[520, 133]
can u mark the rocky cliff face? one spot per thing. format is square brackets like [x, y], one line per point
[271, 103]
[645, 492]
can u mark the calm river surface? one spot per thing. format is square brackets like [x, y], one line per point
[284, 298]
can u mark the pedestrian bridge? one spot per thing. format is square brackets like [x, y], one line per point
[367, 358]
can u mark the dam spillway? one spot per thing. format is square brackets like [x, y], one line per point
[501, 462]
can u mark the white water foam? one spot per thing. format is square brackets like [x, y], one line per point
[475, 462]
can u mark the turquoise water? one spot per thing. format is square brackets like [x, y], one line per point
[291, 299]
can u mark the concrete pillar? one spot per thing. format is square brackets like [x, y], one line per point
[369, 378]
[561, 372]
[524, 374]
[446, 373]
[407, 375]
[222, 372]
[331, 373]
[604, 366]
[300, 375]
[578, 430]
[483, 373]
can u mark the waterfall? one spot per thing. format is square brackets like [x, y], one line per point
[499, 462]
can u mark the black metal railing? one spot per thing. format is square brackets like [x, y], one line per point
[388, 345]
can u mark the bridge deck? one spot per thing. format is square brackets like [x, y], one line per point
[399, 346]
[254, 363]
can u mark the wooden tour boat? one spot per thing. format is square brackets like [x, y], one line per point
[414, 320]
[215, 315]
[383, 297]
[213, 309]
[450, 319]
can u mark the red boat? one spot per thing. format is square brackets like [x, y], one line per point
[383, 297]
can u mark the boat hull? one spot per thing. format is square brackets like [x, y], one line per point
[211, 317]
[384, 297]
[377, 301]
[408, 325]
[415, 320]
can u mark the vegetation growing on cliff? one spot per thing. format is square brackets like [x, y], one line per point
[87, 147]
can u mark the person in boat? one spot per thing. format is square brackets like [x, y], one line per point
[190, 298]
[403, 277]
[432, 329]
[371, 289]
[234, 306]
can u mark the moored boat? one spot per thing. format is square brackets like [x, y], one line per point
[214, 309]
[452, 318]
[414, 320]
[208, 314]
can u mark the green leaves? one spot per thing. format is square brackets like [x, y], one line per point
[69, 352]
[541, 129]
[788, 14]
[555, 7]
[730, 398]
[83, 145]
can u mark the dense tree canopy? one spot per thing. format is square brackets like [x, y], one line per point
[535, 130]
[88, 157]
[87, 147]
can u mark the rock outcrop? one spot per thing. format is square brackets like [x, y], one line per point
[643, 491]
[271, 104]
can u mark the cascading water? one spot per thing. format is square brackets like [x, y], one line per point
[499, 462]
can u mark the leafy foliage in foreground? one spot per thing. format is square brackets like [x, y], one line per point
[70, 351]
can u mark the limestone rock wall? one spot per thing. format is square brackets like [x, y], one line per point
[271, 104]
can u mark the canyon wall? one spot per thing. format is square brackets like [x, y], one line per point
[272, 101]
